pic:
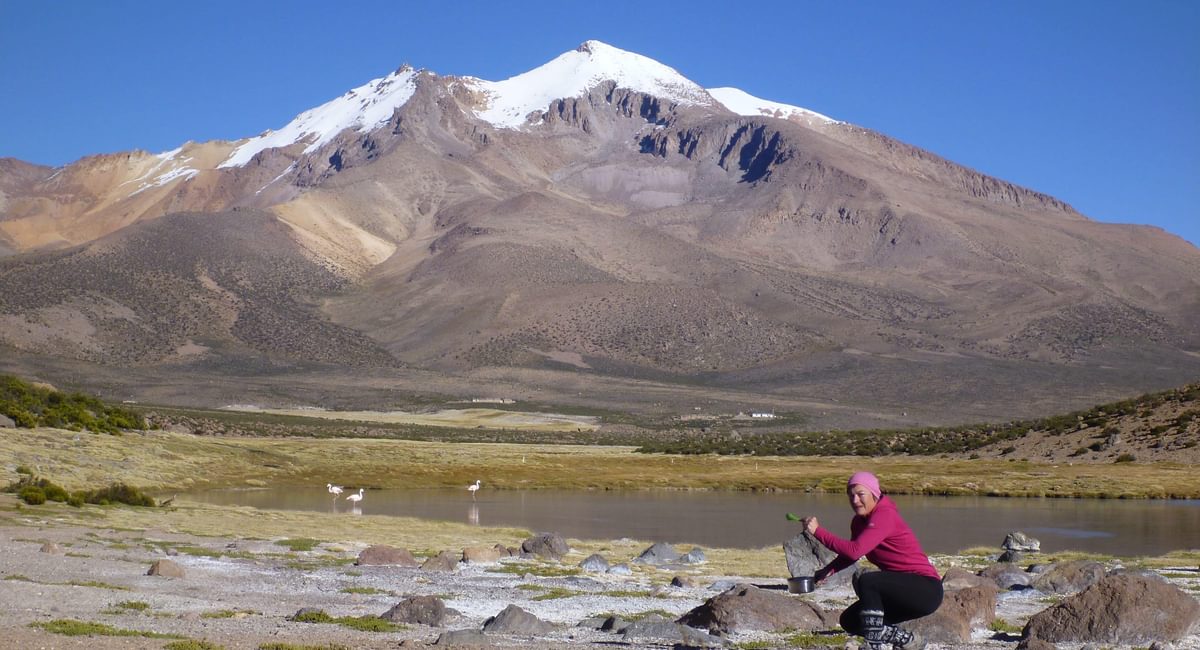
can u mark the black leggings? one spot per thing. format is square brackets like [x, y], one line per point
[901, 597]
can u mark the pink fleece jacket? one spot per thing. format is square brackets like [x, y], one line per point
[884, 538]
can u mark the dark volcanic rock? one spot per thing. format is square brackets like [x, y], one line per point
[804, 555]
[386, 555]
[166, 568]
[548, 545]
[659, 553]
[422, 610]
[748, 608]
[1069, 577]
[961, 611]
[514, 620]
[1125, 609]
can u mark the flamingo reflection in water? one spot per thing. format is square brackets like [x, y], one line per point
[473, 514]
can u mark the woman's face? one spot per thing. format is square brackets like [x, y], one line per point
[862, 502]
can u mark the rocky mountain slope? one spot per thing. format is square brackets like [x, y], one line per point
[598, 221]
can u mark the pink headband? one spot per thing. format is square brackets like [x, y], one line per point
[867, 480]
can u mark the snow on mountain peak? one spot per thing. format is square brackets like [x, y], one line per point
[744, 103]
[574, 73]
[363, 108]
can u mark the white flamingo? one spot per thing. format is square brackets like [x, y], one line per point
[355, 498]
[333, 489]
[473, 489]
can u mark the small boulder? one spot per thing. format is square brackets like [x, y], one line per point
[959, 578]
[51, 548]
[694, 556]
[594, 563]
[7, 422]
[961, 611]
[1124, 609]
[1006, 576]
[620, 570]
[167, 569]
[746, 608]
[506, 551]
[382, 554]
[1069, 577]
[514, 620]
[1021, 543]
[804, 555]
[444, 561]
[685, 582]
[420, 610]
[659, 553]
[547, 545]
[481, 555]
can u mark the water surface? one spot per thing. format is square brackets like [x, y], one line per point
[756, 520]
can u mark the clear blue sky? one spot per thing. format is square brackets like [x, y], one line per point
[1094, 102]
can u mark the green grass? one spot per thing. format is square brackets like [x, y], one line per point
[545, 570]
[301, 646]
[192, 644]
[229, 613]
[1001, 625]
[98, 585]
[362, 623]
[17, 576]
[68, 627]
[364, 590]
[135, 605]
[299, 544]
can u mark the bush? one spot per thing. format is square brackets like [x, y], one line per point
[1125, 458]
[32, 495]
[31, 406]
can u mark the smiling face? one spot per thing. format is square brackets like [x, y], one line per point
[862, 502]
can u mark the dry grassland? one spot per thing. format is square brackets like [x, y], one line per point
[460, 418]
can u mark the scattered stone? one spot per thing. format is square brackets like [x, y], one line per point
[1010, 557]
[444, 561]
[421, 610]
[695, 556]
[166, 568]
[506, 551]
[1121, 609]
[1069, 577]
[1006, 576]
[548, 545]
[463, 639]
[594, 563]
[514, 620]
[614, 624]
[7, 422]
[593, 622]
[620, 569]
[382, 554]
[804, 555]
[51, 548]
[722, 585]
[1021, 543]
[481, 555]
[961, 611]
[747, 608]
[645, 630]
[959, 578]
[684, 581]
[411, 643]
[658, 553]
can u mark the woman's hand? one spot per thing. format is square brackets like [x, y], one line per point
[810, 525]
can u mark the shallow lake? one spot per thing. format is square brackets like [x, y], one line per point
[755, 520]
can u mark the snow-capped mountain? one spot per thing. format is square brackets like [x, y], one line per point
[600, 216]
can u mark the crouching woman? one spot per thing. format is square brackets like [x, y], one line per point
[907, 586]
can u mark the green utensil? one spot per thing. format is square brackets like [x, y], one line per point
[791, 517]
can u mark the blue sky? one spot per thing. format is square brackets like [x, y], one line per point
[1096, 103]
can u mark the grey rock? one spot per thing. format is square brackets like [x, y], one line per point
[962, 610]
[614, 624]
[1007, 576]
[1124, 609]
[684, 582]
[804, 555]
[620, 569]
[1010, 557]
[659, 553]
[167, 569]
[514, 620]
[695, 556]
[7, 422]
[746, 608]
[722, 585]
[382, 554]
[594, 563]
[51, 548]
[1069, 577]
[444, 561]
[958, 578]
[547, 545]
[421, 610]
[1020, 542]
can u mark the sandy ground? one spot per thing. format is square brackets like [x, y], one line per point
[472, 417]
[258, 583]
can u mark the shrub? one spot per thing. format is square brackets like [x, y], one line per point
[32, 495]
[1125, 458]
